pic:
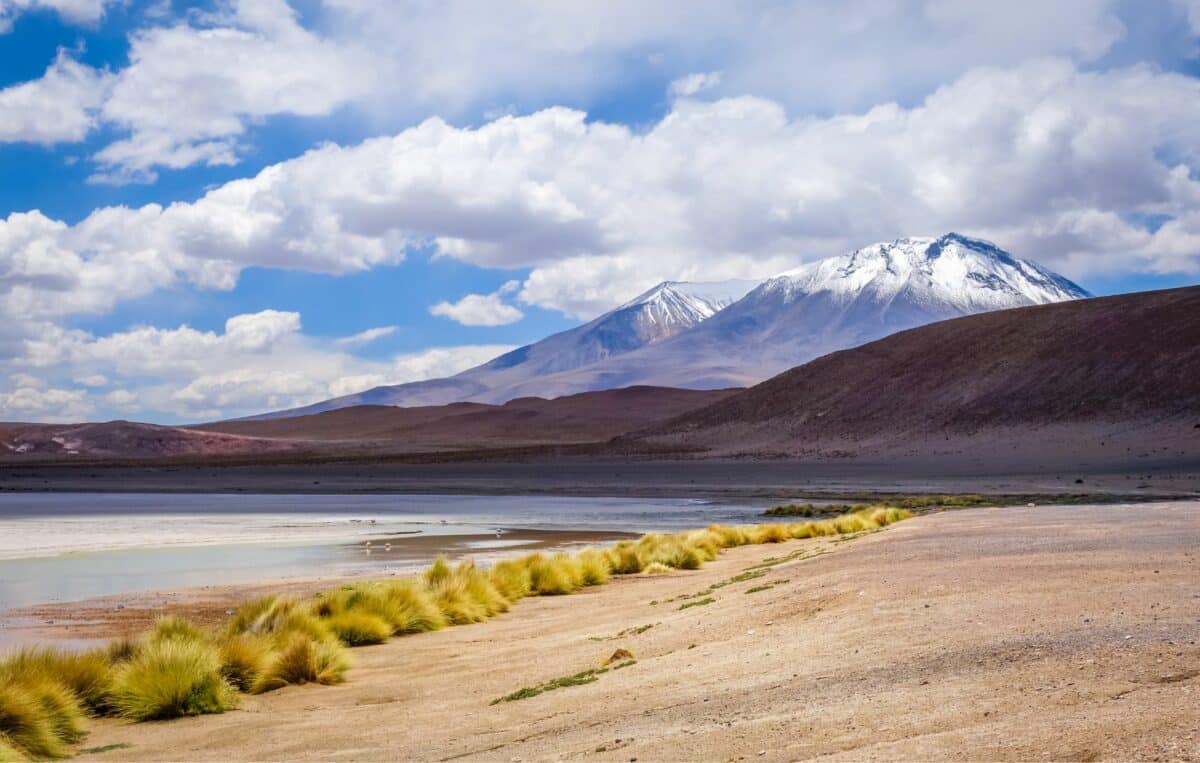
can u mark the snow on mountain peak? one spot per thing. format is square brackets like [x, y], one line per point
[955, 272]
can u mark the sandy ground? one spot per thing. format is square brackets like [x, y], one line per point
[1063, 633]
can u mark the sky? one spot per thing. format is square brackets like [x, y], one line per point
[216, 209]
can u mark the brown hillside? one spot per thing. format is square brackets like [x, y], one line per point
[586, 417]
[1117, 365]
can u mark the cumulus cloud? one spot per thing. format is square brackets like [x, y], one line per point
[481, 309]
[260, 361]
[74, 11]
[194, 87]
[60, 106]
[1053, 162]
[40, 404]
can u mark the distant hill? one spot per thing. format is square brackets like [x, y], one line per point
[583, 418]
[1105, 378]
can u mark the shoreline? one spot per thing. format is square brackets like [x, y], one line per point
[932, 639]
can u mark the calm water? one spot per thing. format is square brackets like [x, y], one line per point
[67, 547]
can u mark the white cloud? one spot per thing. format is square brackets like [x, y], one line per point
[260, 361]
[74, 11]
[194, 87]
[58, 107]
[481, 309]
[190, 90]
[1047, 160]
[694, 83]
[39, 404]
[368, 336]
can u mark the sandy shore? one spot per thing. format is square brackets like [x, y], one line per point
[1066, 633]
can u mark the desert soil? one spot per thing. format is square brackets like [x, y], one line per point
[1063, 633]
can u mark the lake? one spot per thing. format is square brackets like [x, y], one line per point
[57, 547]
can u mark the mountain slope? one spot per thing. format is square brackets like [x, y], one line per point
[1111, 370]
[651, 317]
[831, 305]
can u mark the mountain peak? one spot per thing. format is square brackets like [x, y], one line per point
[957, 272]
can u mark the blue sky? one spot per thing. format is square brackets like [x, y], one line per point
[212, 209]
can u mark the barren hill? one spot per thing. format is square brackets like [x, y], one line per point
[1121, 373]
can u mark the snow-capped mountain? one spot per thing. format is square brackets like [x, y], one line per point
[830, 305]
[651, 317]
[738, 333]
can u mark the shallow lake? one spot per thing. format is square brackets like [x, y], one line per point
[70, 546]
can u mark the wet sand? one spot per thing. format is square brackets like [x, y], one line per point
[1063, 633]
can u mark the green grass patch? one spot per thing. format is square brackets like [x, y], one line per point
[697, 603]
[757, 588]
[105, 748]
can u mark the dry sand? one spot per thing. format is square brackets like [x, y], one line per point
[1066, 633]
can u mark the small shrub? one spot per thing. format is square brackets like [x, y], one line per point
[656, 568]
[772, 533]
[303, 659]
[359, 628]
[243, 658]
[172, 678]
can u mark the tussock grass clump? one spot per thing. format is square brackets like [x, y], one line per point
[9, 752]
[463, 594]
[122, 649]
[479, 587]
[39, 715]
[512, 579]
[303, 659]
[172, 678]
[594, 566]
[772, 533]
[623, 559]
[412, 607]
[173, 627]
[85, 674]
[278, 616]
[550, 576]
[656, 568]
[355, 628]
[243, 658]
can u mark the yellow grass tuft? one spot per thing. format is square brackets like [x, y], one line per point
[85, 674]
[278, 616]
[173, 627]
[356, 628]
[9, 752]
[170, 678]
[656, 568]
[511, 577]
[303, 659]
[623, 558]
[413, 607]
[551, 576]
[243, 658]
[39, 715]
[594, 566]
